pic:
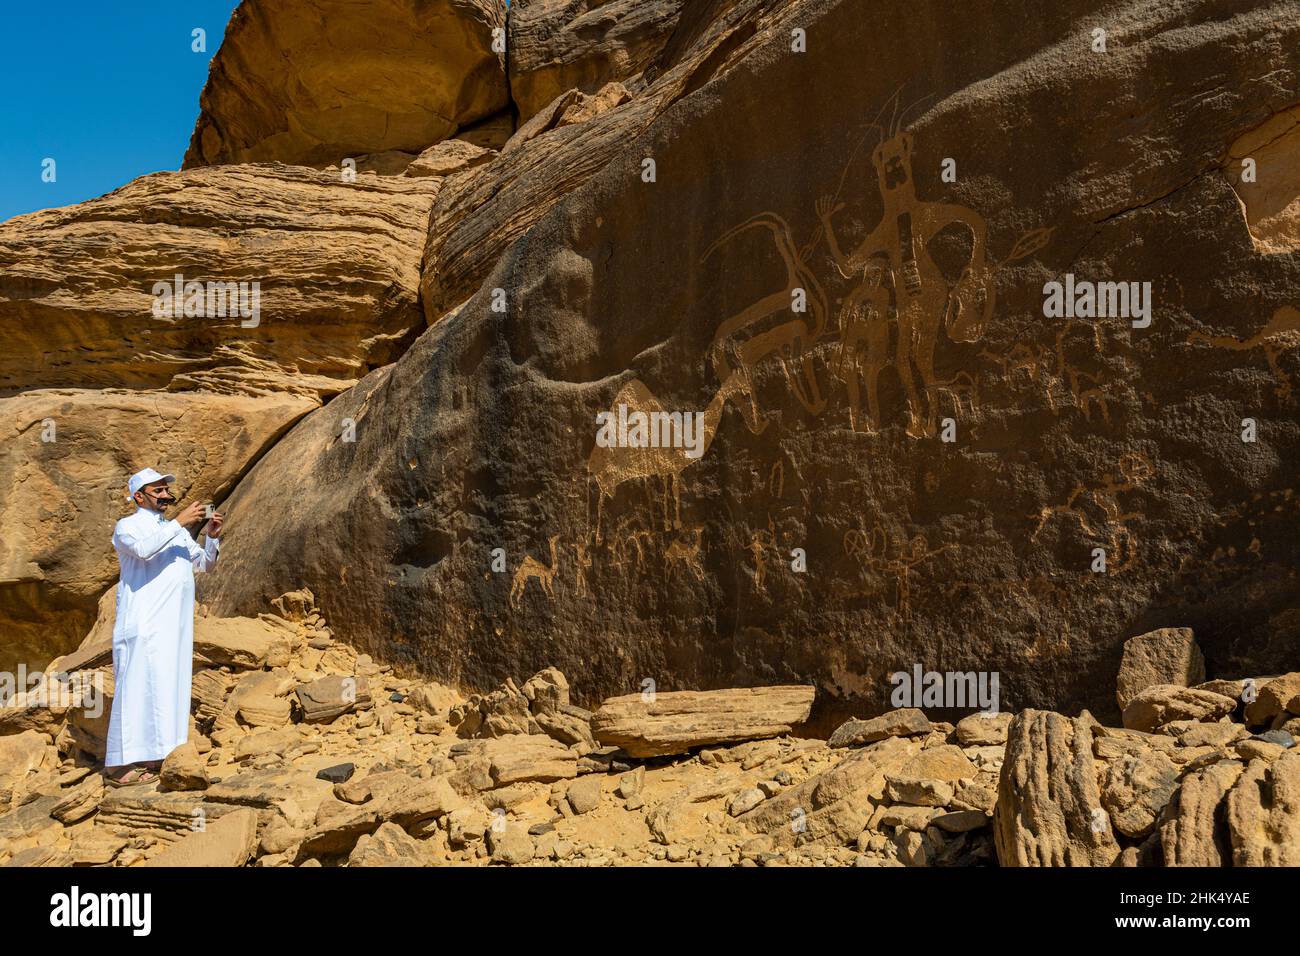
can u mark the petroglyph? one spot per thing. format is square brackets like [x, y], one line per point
[776, 479]
[788, 341]
[610, 467]
[962, 392]
[760, 541]
[1279, 335]
[1121, 544]
[529, 568]
[582, 561]
[687, 555]
[897, 303]
[919, 295]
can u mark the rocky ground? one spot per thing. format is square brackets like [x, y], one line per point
[304, 753]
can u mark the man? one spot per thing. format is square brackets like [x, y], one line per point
[153, 638]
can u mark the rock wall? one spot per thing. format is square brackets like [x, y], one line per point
[800, 271]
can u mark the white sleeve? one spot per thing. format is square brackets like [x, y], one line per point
[146, 546]
[207, 557]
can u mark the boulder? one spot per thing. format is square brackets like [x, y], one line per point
[982, 729]
[1161, 704]
[677, 721]
[528, 757]
[547, 692]
[1264, 813]
[79, 802]
[904, 722]
[510, 845]
[918, 792]
[227, 841]
[583, 794]
[1135, 789]
[961, 821]
[20, 754]
[1219, 734]
[389, 845]
[449, 157]
[1272, 699]
[241, 643]
[330, 697]
[1049, 810]
[184, 769]
[294, 793]
[1169, 655]
[315, 81]
[337, 829]
[944, 762]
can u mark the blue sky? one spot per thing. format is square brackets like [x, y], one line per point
[110, 91]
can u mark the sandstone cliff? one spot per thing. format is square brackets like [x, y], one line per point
[825, 227]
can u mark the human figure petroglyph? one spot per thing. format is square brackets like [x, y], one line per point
[871, 550]
[1134, 470]
[582, 561]
[1279, 335]
[758, 543]
[529, 568]
[789, 341]
[610, 467]
[920, 297]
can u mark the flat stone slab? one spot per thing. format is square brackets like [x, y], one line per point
[677, 721]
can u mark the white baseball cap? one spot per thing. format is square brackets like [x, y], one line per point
[146, 477]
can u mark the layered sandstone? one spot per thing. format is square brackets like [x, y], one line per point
[336, 265]
[318, 81]
[562, 45]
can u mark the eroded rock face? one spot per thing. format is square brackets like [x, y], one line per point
[310, 81]
[1264, 813]
[65, 456]
[1071, 435]
[560, 45]
[1193, 831]
[336, 266]
[1049, 810]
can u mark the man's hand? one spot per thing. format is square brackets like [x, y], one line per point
[191, 513]
[214, 526]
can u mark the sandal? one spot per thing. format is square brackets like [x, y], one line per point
[133, 777]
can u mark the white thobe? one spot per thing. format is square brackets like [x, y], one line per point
[153, 637]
